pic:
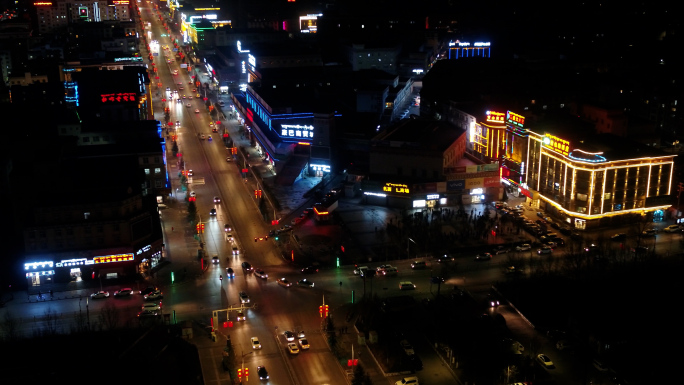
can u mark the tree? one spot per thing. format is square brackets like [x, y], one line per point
[192, 211]
[332, 337]
[109, 316]
[360, 376]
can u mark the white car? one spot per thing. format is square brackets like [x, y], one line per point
[284, 282]
[236, 251]
[153, 296]
[196, 110]
[304, 343]
[260, 273]
[100, 295]
[255, 343]
[523, 247]
[359, 269]
[193, 194]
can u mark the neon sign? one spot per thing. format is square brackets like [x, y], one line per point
[42, 4]
[557, 144]
[515, 119]
[114, 258]
[495, 117]
[396, 188]
[297, 130]
[119, 97]
[120, 2]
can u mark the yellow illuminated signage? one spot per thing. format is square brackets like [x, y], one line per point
[114, 258]
[396, 188]
[120, 2]
[207, 9]
[495, 117]
[42, 3]
[557, 144]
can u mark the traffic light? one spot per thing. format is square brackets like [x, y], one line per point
[197, 226]
[247, 374]
[320, 310]
[325, 310]
[257, 193]
[239, 373]
[353, 362]
[202, 227]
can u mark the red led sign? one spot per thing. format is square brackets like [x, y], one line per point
[119, 97]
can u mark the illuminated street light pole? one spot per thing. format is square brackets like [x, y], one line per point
[408, 256]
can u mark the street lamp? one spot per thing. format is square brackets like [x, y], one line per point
[407, 246]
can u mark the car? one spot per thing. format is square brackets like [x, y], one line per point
[500, 250]
[591, 248]
[563, 345]
[147, 290]
[153, 296]
[292, 348]
[649, 232]
[408, 349]
[214, 129]
[545, 250]
[217, 200]
[181, 88]
[240, 315]
[168, 88]
[382, 268]
[514, 270]
[545, 361]
[229, 159]
[289, 336]
[147, 313]
[260, 273]
[301, 334]
[244, 298]
[552, 244]
[229, 237]
[190, 82]
[192, 194]
[255, 343]
[304, 343]
[188, 105]
[305, 283]
[600, 366]
[229, 272]
[236, 251]
[671, 228]
[184, 96]
[262, 373]
[247, 266]
[483, 257]
[406, 285]
[523, 247]
[359, 269]
[492, 301]
[125, 292]
[151, 306]
[177, 123]
[284, 282]
[309, 270]
[100, 295]
[215, 259]
[415, 265]
[194, 90]
[197, 110]
[227, 227]
[178, 100]
[618, 236]
[261, 238]
[408, 381]
[190, 97]
[212, 212]
[296, 221]
[202, 136]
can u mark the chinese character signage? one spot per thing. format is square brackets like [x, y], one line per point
[495, 117]
[515, 120]
[396, 188]
[114, 258]
[297, 131]
[556, 144]
[119, 97]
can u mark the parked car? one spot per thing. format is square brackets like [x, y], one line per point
[545, 361]
[292, 348]
[545, 250]
[125, 292]
[483, 257]
[523, 247]
[671, 228]
[100, 295]
[418, 265]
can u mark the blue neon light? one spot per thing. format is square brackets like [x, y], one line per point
[594, 158]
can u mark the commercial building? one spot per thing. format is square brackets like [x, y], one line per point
[56, 15]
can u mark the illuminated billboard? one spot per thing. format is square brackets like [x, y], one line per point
[515, 120]
[396, 188]
[495, 117]
[556, 144]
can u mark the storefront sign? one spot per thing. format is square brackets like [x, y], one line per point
[455, 185]
[492, 181]
[114, 258]
[495, 117]
[297, 131]
[514, 119]
[432, 197]
[119, 97]
[556, 144]
[474, 183]
[396, 188]
[320, 167]
[38, 265]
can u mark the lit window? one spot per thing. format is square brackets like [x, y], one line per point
[147, 171]
[86, 215]
[157, 170]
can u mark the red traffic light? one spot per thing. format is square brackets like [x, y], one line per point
[239, 373]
